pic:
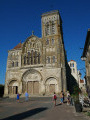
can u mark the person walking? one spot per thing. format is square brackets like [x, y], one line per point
[68, 98]
[54, 99]
[17, 97]
[61, 97]
[26, 96]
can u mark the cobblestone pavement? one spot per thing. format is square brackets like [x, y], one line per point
[37, 108]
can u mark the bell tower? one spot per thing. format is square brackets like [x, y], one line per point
[51, 22]
[52, 36]
[53, 45]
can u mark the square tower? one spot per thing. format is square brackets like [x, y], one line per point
[52, 36]
[53, 45]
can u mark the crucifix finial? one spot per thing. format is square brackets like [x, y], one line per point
[32, 32]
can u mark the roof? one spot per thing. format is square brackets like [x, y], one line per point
[18, 46]
[29, 38]
[71, 60]
[81, 81]
[50, 12]
[87, 43]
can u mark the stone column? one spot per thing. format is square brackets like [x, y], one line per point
[6, 86]
[6, 90]
[20, 87]
[26, 86]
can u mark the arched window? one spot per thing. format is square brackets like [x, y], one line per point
[53, 28]
[31, 57]
[28, 58]
[24, 60]
[12, 64]
[47, 29]
[53, 59]
[35, 57]
[73, 70]
[16, 64]
[48, 59]
[39, 58]
[52, 41]
[47, 42]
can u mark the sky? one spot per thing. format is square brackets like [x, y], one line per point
[18, 18]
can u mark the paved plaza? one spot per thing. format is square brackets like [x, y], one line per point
[37, 108]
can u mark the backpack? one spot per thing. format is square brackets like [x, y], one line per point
[55, 97]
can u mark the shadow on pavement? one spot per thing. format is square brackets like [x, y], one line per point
[58, 104]
[26, 114]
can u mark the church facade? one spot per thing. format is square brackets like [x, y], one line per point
[38, 64]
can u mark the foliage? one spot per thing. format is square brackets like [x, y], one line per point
[85, 94]
[76, 92]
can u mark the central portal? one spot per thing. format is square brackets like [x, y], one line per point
[52, 88]
[31, 82]
[33, 87]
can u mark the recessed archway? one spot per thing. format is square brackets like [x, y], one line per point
[13, 87]
[51, 85]
[31, 81]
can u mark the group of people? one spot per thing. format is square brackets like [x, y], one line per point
[26, 96]
[62, 96]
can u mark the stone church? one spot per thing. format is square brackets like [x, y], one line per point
[38, 64]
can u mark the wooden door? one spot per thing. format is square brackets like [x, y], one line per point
[30, 87]
[52, 88]
[35, 87]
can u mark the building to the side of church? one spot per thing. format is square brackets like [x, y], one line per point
[86, 57]
[77, 75]
[38, 64]
[73, 67]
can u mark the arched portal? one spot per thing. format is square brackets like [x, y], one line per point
[31, 82]
[51, 85]
[13, 87]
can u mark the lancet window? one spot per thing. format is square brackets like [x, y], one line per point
[24, 60]
[47, 29]
[47, 42]
[53, 59]
[53, 28]
[39, 58]
[12, 64]
[52, 41]
[48, 59]
[32, 58]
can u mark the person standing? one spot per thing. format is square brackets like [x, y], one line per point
[54, 99]
[68, 98]
[17, 97]
[26, 96]
[61, 97]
